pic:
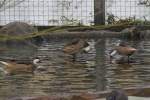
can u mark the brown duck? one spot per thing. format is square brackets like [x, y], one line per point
[76, 46]
[13, 67]
[123, 49]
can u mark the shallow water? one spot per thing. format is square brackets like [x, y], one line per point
[90, 72]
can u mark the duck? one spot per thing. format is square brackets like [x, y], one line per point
[13, 66]
[117, 95]
[76, 46]
[122, 49]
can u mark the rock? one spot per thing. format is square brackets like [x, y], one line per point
[17, 28]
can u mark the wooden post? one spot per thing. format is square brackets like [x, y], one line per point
[101, 82]
[99, 12]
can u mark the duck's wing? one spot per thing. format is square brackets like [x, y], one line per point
[21, 61]
[73, 42]
[126, 50]
[71, 49]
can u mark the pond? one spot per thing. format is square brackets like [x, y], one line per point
[90, 72]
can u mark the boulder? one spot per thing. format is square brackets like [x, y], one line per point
[17, 28]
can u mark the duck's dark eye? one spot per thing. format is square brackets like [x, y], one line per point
[86, 44]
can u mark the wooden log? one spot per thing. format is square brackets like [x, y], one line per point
[128, 33]
[90, 34]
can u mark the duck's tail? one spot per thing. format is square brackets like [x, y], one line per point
[112, 53]
[4, 63]
[133, 49]
[87, 49]
[3, 68]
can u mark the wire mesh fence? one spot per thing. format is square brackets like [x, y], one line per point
[121, 9]
[69, 12]
[47, 12]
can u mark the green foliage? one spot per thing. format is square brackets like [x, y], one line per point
[130, 21]
[144, 2]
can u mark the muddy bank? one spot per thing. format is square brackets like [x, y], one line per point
[139, 92]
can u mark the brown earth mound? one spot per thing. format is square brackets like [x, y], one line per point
[17, 28]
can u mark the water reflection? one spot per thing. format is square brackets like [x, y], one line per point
[17, 50]
[100, 65]
[90, 72]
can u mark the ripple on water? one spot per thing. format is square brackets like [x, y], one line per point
[90, 72]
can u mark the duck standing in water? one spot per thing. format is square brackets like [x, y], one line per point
[13, 67]
[122, 49]
[76, 46]
[117, 95]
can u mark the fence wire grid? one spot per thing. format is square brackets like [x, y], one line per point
[47, 12]
[69, 12]
[121, 9]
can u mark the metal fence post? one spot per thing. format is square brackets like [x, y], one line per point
[99, 12]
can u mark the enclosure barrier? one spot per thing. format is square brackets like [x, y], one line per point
[72, 12]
